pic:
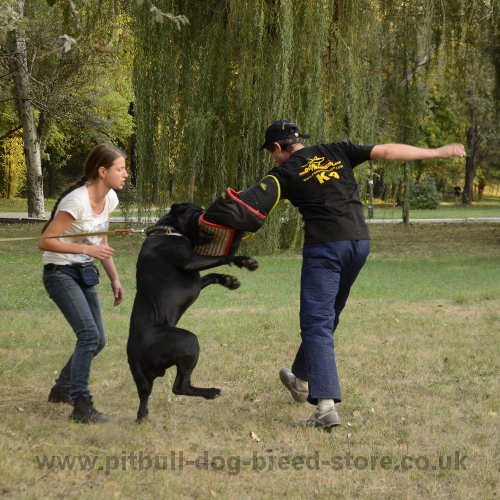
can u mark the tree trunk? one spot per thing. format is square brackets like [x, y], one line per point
[473, 140]
[52, 174]
[406, 193]
[371, 211]
[481, 184]
[133, 146]
[399, 191]
[18, 63]
[420, 171]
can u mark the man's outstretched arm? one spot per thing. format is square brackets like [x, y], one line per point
[403, 152]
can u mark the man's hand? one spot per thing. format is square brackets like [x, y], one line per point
[451, 150]
[404, 152]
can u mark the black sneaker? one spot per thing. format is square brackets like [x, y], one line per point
[85, 413]
[59, 394]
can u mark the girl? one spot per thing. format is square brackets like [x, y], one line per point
[70, 277]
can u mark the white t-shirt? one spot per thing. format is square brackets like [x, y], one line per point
[77, 204]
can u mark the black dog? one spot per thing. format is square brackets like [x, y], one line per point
[168, 282]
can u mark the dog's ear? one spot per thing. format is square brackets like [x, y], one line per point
[174, 209]
[166, 219]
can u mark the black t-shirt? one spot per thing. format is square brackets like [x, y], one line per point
[319, 180]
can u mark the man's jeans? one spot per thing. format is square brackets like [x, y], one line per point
[328, 272]
[82, 310]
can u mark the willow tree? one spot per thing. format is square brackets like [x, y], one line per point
[361, 70]
[355, 78]
[413, 38]
[206, 93]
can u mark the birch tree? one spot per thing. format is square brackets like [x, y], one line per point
[18, 65]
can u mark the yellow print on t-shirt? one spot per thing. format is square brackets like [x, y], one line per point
[321, 169]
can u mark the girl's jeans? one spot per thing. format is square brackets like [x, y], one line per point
[328, 272]
[82, 310]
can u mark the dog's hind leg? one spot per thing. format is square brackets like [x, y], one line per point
[182, 385]
[186, 362]
[226, 280]
[144, 387]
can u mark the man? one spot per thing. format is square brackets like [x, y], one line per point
[319, 180]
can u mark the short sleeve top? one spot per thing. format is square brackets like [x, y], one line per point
[319, 180]
[77, 204]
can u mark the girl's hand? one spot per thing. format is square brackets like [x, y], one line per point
[101, 252]
[117, 292]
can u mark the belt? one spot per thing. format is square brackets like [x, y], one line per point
[55, 267]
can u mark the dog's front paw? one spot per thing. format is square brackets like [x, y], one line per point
[248, 262]
[231, 282]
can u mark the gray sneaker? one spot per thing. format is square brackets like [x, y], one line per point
[288, 379]
[322, 420]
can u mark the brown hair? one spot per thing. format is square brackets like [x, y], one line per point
[102, 155]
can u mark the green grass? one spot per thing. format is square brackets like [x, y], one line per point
[20, 205]
[417, 349]
[486, 208]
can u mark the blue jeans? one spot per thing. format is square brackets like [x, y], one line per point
[328, 272]
[82, 310]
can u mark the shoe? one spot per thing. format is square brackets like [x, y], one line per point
[288, 379]
[85, 413]
[322, 419]
[59, 394]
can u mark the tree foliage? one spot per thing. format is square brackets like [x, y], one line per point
[205, 98]
[13, 167]
[80, 96]
[367, 71]
[422, 72]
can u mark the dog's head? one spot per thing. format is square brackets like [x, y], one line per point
[185, 218]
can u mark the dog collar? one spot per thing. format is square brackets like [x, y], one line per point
[166, 231]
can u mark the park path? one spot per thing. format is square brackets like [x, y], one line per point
[22, 217]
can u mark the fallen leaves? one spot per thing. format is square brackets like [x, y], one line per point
[254, 436]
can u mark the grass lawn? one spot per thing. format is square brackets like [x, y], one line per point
[20, 205]
[418, 356]
[445, 211]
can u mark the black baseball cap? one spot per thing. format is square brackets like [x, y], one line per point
[282, 129]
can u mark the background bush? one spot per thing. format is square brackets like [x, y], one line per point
[425, 194]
